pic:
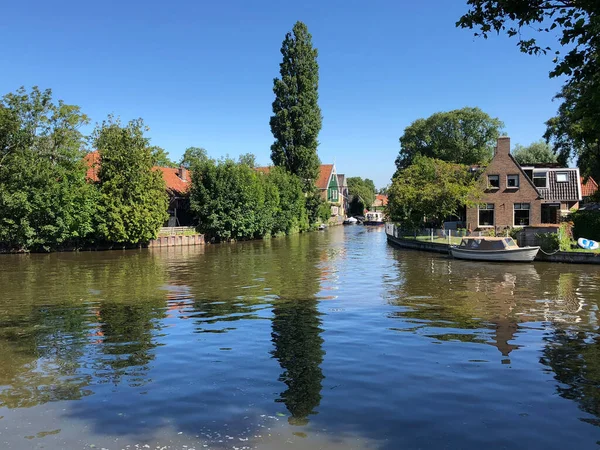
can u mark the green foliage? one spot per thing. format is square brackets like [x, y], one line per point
[537, 152]
[161, 157]
[133, 201]
[362, 193]
[235, 202]
[463, 136]
[575, 131]
[296, 119]
[193, 156]
[290, 214]
[432, 189]
[586, 224]
[318, 210]
[248, 159]
[45, 202]
[548, 242]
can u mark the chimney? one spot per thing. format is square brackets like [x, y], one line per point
[503, 145]
[182, 173]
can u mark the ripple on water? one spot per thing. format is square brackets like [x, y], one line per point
[323, 340]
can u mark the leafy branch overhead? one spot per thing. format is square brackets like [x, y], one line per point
[576, 20]
[575, 24]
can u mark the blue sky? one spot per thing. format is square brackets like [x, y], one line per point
[200, 73]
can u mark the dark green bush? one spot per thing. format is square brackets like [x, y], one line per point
[586, 225]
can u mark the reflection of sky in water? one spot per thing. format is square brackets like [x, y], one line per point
[326, 340]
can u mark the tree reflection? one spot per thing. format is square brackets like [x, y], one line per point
[297, 340]
[47, 339]
[574, 357]
[296, 332]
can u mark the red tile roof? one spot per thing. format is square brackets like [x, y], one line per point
[381, 200]
[173, 181]
[324, 176]
[171, 176]
[588, 187]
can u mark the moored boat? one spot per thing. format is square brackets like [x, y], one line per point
[483, 248]
[350, 221]
[373, 218]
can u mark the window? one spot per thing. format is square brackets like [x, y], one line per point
[512, 181]
[486, 215]
[562, 177]
[540, 179]
[521, 214]
[493, 181]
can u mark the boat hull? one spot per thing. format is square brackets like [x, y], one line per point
[371, 222]
[524, 254]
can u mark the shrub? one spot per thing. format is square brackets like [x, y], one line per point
[586, 224]
[548, 242]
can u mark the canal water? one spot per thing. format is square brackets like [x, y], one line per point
[330, 340]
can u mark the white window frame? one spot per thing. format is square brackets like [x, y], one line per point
[489, 186]
[565, 174]
[545, 172]
[488, 207]
[522, 207]
[513, 175]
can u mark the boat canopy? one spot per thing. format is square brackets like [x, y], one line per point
[488, 243]
[374, 216]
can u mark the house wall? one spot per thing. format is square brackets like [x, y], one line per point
[333, 194]
[504, 198]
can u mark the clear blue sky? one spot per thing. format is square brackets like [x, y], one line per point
[200, 72]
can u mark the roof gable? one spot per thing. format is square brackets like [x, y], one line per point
[325, 172]
[588, 187]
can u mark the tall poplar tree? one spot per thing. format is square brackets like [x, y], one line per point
[296, 119]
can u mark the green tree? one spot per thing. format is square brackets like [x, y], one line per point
[296, 119]
[45, 201]
[192, 156]
[430, 189]
[463, 136]
[230, 202]
[248, 159]
[161, 157]
[133, 200]
[362, 193]
[575, 131]
[537, 152]
[290, 215]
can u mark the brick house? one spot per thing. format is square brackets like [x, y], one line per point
[522, 196]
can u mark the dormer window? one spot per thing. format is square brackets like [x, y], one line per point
[540, 179]
[562, 177]
[512, 181]
[493, 181]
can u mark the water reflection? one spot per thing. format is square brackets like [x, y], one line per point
[231, 340]
[574, 357]
[508, 300]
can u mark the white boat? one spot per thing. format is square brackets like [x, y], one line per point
[350, 221]
[373, 218]
[482, 248]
